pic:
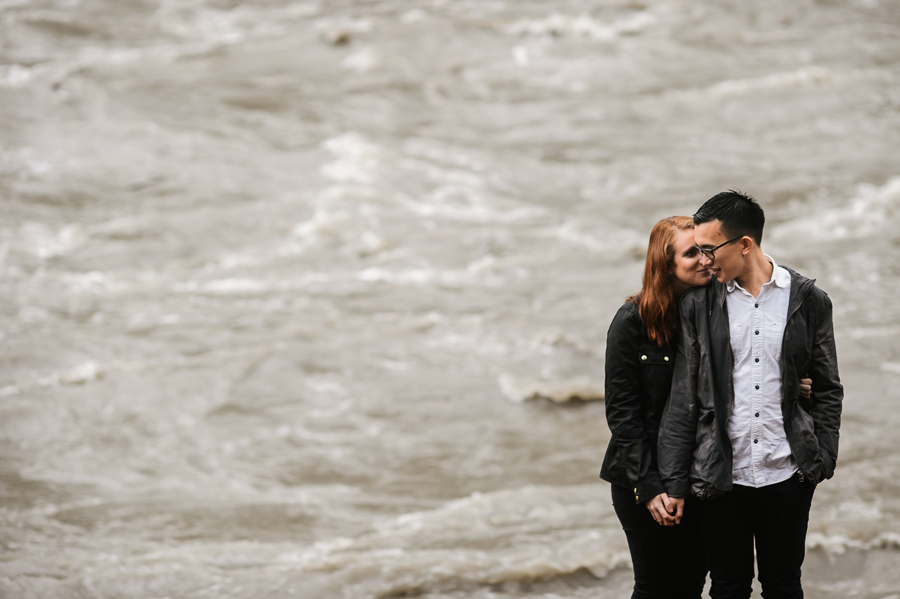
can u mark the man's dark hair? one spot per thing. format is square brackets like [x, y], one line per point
[738, 212]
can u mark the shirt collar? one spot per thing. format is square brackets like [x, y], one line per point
[780, 276]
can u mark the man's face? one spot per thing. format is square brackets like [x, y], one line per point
[728, 262]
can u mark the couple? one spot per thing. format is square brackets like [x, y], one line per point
[717, 444]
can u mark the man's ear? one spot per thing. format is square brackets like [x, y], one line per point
[746, 244]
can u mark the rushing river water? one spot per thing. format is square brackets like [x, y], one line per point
[281, 280]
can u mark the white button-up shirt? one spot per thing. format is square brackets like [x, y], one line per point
[762, 455]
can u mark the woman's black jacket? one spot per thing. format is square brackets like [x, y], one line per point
[638, 380]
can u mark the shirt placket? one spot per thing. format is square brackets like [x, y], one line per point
[757, 334]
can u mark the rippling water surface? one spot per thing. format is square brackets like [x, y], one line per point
[281, 280]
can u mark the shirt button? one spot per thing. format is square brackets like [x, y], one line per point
[757, 332]
[756, 305]
[636, 498]
[666, 358]
[756, 440]
[635, 490]
[757, 414]
[643, 357]
[756, 359]
[757, 386]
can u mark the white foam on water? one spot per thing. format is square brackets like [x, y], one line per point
[635, 24]
[89, 371]
[254, 286]
[467, 160]
[426, 277]
[83, 373]
[202, 29]
[580, 26]
[486, 538]
[415, 15]
[893, 367]
[234, 285]
[357, 159]
[874, 210]
[613, 242]
[470, 203]
[60, 68]
[362, 61]
[839, 544]
[15, 75]
[194, 21]
[804, 77]
[516, 535]
[92, 281]
[44, 242]
[323, 224]
[857, 510]
[519, 390]
[23, 162]
[520, 56]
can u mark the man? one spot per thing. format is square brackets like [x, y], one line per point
[736, 433]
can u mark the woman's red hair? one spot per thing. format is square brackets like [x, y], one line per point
[656, 301]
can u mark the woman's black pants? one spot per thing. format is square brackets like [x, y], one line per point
[668, 560]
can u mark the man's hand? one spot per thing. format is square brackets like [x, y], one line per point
[806, 386]
[664, 510]
[678, 504]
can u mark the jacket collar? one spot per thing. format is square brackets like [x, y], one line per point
[800, 286]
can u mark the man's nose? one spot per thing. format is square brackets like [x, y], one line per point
[705, 260]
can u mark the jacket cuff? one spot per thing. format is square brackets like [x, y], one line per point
[647, 488]
[678, 489]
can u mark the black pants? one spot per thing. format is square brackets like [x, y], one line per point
[668, 560]
[776, 517]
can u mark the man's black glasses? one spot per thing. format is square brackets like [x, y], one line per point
[711, 253]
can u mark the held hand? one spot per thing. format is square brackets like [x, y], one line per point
[678, 511]
[806, 386]
[662, 509]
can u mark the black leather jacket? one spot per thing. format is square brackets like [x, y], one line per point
[638, 379]
[694, 448]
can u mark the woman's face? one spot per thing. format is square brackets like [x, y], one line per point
[686, 271]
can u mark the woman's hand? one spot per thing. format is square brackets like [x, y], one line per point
[806, 386]
[665, 511]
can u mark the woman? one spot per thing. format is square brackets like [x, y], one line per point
[640, 356]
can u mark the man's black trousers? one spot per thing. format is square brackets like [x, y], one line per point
[776, 518]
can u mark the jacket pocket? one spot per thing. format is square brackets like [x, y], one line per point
[805, 443]
[657, 366]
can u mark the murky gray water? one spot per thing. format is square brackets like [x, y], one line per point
[277, 277]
